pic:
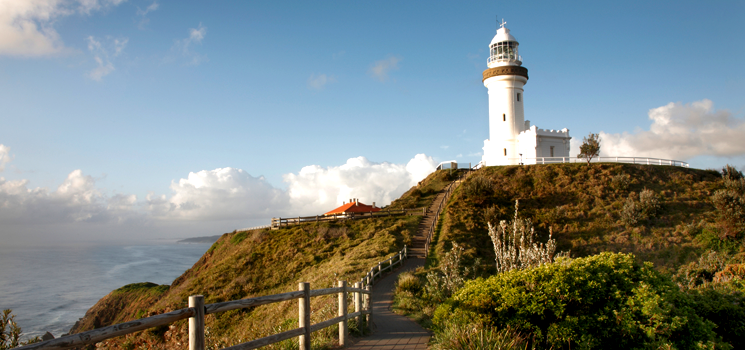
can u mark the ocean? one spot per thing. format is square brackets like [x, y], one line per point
[50, 288]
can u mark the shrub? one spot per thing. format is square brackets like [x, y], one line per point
[515, 246]
[730, 207]
[10, 332]
[649, 203]
[606, 301]
[408, 282]
[647, 207]
[478, 187]
[725, 308]
[731, 173]
[620, 182]
[702, 271]
[630, 213]
[478, 337]
[451, 277]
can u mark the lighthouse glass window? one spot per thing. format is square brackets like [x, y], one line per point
[506, 50]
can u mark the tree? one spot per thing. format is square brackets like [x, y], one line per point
[590, 147]
[10, 332]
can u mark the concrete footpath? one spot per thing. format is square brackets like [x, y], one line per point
[392, 331]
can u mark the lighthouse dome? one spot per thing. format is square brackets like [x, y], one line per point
[503, 34]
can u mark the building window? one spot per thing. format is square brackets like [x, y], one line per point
[504, 117]
[518, 97]
[552, 151]
[505, 151]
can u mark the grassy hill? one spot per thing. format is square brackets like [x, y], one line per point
[670, 239]
[262, 262]
[661, 214]
[590, 209]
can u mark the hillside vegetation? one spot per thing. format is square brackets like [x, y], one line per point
[652, 257]
[686, 222]
[263, 262]
[661, 214]
[254, 263]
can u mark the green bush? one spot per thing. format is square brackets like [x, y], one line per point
[478, 188]
[10, 332]
[725, 308]
[731, 211]
[606, 301]
[646, 207]
[620, 182]
[478, 337]
[700, 272]
[408, 282]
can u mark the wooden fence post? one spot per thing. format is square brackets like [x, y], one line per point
[358, 305]
[380, 266]
[343, 312]
[196, 323]
[369, 299]
[304, 315]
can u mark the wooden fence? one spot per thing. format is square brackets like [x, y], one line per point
[197, 310]
[282, 222]
[388, 264]
[433, 227]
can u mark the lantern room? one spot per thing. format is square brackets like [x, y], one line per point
[503, 49]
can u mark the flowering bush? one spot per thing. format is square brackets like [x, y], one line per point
[515, 246]
[605, 301]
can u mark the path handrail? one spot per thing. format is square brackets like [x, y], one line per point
[443, 203]
[197, 311]
[398, 258]
[282, 222]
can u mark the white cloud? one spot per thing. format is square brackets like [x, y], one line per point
[681, 132]
[225, 197]
[152, 7]
[75, 200]
[315, 190]
[103, 56]
[184, 46]
[220, 194]
[4, 156]
[27, 26]
[232, 194]
[143, 13]
[317, 82]
[380, 69]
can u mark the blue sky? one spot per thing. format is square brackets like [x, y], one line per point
[139, 94]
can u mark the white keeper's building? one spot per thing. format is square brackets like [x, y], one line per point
[512, 140]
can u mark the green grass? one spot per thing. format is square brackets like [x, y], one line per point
[256, 263]
[582, 205]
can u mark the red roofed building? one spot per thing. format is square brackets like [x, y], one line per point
[354, 206]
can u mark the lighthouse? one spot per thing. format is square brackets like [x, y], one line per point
[511, 138]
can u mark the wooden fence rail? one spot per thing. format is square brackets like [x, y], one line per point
[197, 310]
[433, 227]
[282, 222]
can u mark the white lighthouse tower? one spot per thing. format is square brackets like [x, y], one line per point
[511, 138]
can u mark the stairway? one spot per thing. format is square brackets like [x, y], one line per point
[419, 240]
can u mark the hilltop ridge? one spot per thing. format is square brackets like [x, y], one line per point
[584, 206]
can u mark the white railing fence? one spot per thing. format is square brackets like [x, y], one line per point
[625, 160]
